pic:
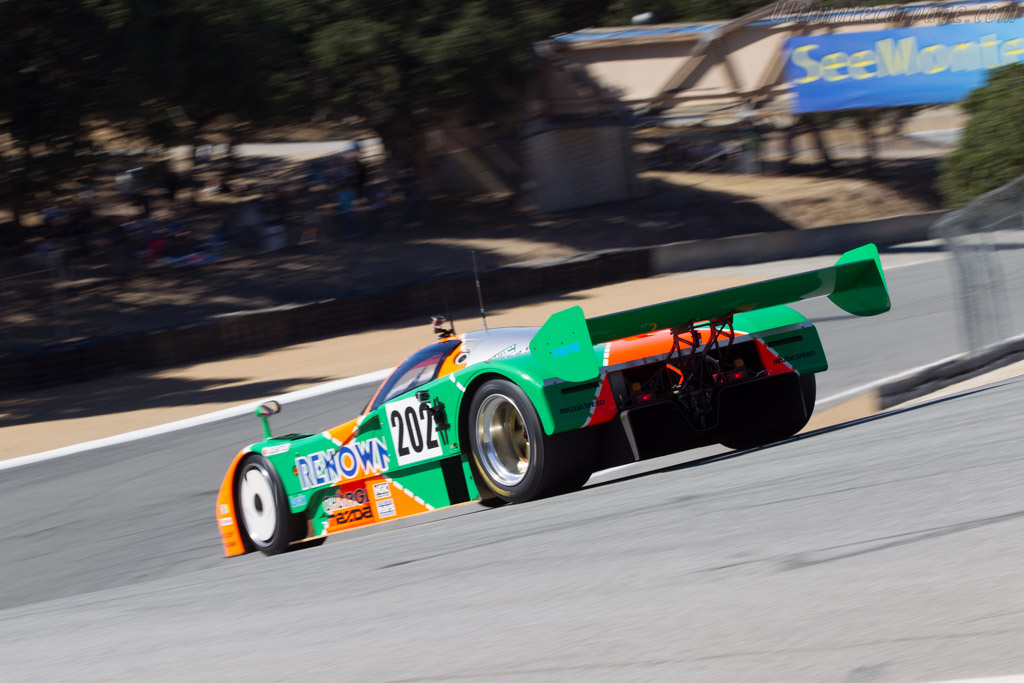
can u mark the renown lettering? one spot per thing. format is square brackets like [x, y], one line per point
[365, 458]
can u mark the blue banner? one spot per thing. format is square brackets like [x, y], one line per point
[897, 67]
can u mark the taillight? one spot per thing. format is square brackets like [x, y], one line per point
[645, 397]
[739, 370]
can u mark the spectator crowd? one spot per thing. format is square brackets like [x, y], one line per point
[221, 208]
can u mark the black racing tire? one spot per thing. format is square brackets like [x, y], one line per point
[264, 516]
[514, 458]
[780, 430]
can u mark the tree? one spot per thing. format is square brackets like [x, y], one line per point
[619, 12]
[991, 151]
[404, 66]
[53, 78]
[163, 70]
[186, 63]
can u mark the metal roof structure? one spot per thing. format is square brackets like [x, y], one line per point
[708, 71]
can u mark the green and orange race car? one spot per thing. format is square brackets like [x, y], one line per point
[514, 414]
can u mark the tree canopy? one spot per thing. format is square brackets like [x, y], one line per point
[991, 151]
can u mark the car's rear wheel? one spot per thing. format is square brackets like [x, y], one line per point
[264, 516]
[794, 417]
[515, 458]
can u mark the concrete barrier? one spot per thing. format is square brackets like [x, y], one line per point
[771, 246]
[944, 374]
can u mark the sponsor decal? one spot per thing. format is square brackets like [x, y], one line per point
[297, 501]
[274, 450]
[386, 508]
[900, 66]
[381, 490]
[504, 353]
[333, 465]
[332, 503]
[565, 350]
[343, 501]
[226, 521]
[582, 406]
[355, 514]
[795, 356]
[223, 509]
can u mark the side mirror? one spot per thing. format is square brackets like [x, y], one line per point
[267, 409]
[264, 411]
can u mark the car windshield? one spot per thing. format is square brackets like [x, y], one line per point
[416, 370]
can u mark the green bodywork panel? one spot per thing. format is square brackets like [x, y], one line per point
[563, 344]
[789, 334]
[552, 401]
[860, 283]
[523, 370]
[570, 403]
[800, 346]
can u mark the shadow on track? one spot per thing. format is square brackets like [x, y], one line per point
[729, 455]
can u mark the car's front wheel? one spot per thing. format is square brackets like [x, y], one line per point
[515, 458]
[263, 512]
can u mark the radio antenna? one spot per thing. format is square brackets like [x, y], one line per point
[448, 312]
[479, 295]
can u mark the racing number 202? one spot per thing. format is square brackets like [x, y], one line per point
[417, 424]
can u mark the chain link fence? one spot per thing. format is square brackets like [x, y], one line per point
[39, 295]
[985, 239]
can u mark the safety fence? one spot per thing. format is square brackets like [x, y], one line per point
[40, 293]
[985, 240]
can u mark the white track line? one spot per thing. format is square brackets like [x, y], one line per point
[235, 411]
[997, 679]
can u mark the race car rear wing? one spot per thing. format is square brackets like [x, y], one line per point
[564, 344]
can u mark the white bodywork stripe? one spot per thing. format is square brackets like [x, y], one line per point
[409, 493]
[600, 383]
[457, 383]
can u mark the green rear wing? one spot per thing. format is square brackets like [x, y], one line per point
[564, 344]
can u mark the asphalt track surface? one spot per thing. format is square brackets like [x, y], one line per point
[883, 550]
